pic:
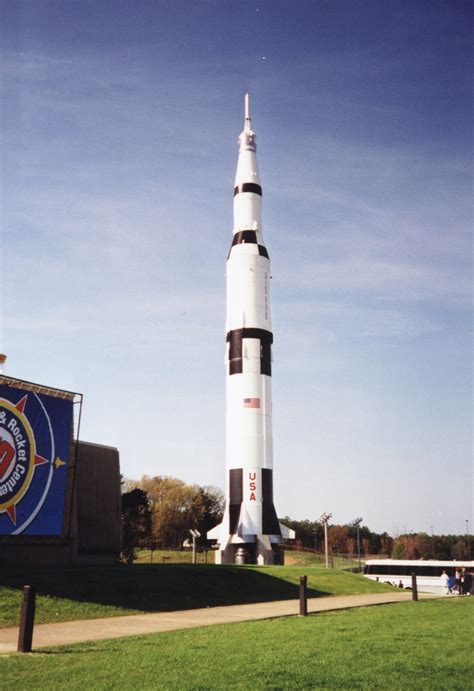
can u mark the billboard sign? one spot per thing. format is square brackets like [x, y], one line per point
[35, 436]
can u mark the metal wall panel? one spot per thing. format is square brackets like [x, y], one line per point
[99, 508]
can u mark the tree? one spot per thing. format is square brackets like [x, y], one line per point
[386, 544]
[171, 502]
[459, 549]
[309, 534]
[398, 550]
[136, 520]
[407, 547]
[337, 538]
[208, 509]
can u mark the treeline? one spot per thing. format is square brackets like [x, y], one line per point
[342, 539]
[158, 512]
[424, 546]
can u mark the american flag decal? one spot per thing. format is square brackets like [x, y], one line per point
[251, 403]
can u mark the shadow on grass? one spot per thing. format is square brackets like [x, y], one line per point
[158, 588]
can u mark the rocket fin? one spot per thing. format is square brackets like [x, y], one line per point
[287, 533]
[215, 533]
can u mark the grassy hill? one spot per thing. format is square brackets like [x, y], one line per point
[89, 592]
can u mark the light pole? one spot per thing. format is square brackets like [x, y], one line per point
[194, 534]
[356, 524]
[432, 542]
[324, 518]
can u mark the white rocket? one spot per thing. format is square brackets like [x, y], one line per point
[250, 520]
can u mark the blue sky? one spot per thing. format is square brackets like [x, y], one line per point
[119, 138]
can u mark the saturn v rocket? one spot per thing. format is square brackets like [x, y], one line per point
[250, 531]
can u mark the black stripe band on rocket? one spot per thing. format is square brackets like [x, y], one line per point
[235, 338]
[236, 497]
[244, 236]
[248, 236]
[270, 524]
[248, 187]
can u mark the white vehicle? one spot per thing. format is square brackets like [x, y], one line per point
[427, 572]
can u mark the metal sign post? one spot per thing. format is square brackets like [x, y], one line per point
[303, 596]
[27, 619]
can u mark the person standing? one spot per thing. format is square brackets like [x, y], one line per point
[444, 578]
[458, 574]
[466, 582]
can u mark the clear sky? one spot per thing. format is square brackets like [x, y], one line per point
[119, 144]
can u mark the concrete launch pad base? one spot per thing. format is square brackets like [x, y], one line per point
[250, 553]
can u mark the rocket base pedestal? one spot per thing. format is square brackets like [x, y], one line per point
[250, 553]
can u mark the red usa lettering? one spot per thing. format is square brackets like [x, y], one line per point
[252, 486]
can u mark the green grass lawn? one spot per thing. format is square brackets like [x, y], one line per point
[423, 645]
[294, 558]
[172, 556]
[90, 592]
[163, 556]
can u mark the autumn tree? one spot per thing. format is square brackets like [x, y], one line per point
[170, 505]
[176, 507]
[413, 546]
[386, 544]
[338, 536]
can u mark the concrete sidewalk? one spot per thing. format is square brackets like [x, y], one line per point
[66, 633]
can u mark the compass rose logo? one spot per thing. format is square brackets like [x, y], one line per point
[36, 432]
[19, 458]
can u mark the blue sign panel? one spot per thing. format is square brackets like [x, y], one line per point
[35, 434]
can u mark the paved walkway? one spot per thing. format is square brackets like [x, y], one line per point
[65, 633]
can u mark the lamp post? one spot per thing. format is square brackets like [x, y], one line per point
[324, 518]
[356, 524]
[194, 534]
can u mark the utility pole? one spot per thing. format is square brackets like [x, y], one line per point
[324, 519]
[356, 524]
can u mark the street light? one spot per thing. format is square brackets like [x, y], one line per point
[324, 518]
[356, 524]
[468, 541]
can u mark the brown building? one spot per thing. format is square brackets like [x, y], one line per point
[92, 518]
[98, 504]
